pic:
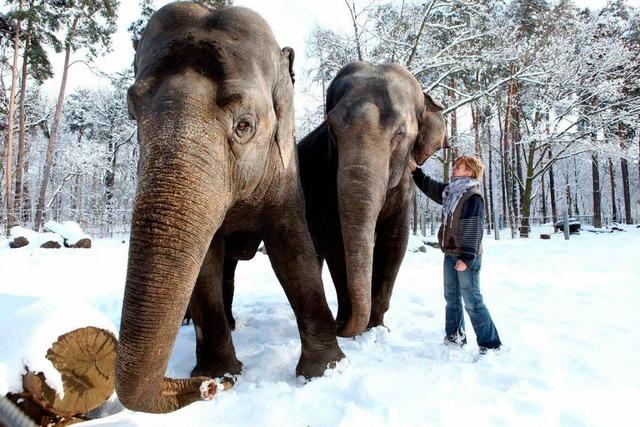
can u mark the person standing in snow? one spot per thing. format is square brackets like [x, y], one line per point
[460, 238]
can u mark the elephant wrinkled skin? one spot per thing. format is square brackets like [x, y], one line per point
[213, 99]
[357, 187]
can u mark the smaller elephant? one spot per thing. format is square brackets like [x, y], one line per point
[358, 190]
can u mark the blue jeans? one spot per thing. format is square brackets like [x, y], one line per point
[465, 285]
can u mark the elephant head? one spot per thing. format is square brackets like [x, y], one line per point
[212, 98]
[378, 116]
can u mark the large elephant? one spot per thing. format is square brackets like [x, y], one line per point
[218, 173]
[357, 187]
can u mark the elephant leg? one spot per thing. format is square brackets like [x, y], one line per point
[228, 287]
[215, 355]
[338, 270]
[391, 244]
[294, 261]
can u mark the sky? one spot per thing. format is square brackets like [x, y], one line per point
[290, 20]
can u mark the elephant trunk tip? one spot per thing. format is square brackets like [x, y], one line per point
[209, 388]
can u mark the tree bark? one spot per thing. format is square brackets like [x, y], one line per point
[453, 139]
[22, 131]
[595, 175]
[543, 200]
[54, 131]
[415, 214]
[11, 217]
[491, 196]
[612, 176]
[509, 167]
[475, 115]
[528, 190]
[552, 193]
[624, 169]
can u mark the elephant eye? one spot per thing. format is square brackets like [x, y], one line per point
[398, 136]
[243, 128]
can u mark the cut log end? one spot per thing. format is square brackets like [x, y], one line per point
[85, 359]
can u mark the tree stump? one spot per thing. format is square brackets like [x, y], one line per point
[85, 359]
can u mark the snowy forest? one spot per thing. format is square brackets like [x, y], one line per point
[547, 93]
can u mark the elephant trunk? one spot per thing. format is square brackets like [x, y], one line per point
[180, 203]
[362, 179]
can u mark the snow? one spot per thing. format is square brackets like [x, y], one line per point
[69, 230]
[35, 239]
[566, 311]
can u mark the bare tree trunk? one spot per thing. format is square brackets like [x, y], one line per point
[22, 130]
[453, 140]
[513, 184]
[491, 196]
[595, 174]
[354, 16]
[528, 190]
[508, 167]
[54, 132]
[475, 115]
[543, 200]
[11, 215]
[503, 159]
[612, 176]
[415, 214]
[569, 200]
[624, 169]
[552, 193]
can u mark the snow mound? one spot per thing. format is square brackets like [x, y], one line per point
[35, 239]
[69, 230]
[30, 327]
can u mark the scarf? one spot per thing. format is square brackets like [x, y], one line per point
[452, 194]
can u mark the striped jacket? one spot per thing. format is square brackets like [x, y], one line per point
[463, 235]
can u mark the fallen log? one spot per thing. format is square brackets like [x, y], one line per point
[85, 358]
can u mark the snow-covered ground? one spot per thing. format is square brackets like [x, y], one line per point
[568, 311]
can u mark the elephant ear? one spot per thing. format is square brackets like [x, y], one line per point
[283, 106]
[431, 104]
[432, 130]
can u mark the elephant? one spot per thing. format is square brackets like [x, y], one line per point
[357, 186]
[218, 173]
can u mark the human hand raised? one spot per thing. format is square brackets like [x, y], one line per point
[412, 164]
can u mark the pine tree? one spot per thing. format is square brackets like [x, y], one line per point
[10, 215]
[89, 25]
[35, 64]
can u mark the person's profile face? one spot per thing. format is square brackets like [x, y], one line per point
[459, 169]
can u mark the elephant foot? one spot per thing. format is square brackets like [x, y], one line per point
[215, 364]
[376, 320]
[218, 370]
[314, 364]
